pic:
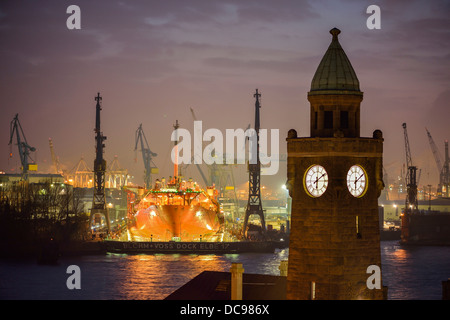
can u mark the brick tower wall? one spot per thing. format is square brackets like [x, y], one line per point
[325, 247]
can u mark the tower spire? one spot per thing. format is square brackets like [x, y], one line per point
[335, 96]
[335, 72]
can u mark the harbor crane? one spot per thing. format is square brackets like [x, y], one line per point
[213, 166]
[147, 156]
[99, 208]
[55, 159]
[26, 161]
[443, 169]
[411, 203]
[446, 173]
[221, 176]
[254, 205]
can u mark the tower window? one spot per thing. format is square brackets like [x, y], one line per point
[315, 120]
[328, 120]
[344, 119]
[358, 234]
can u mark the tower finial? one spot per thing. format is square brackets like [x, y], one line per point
[335, 32]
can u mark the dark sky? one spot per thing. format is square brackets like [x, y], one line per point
[154, 60]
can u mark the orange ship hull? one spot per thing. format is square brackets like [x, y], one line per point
[168, 222]
[176, 214]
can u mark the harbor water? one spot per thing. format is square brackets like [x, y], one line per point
[411, 273]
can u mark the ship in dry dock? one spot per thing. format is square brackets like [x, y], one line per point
[179, 211]
[179, 217]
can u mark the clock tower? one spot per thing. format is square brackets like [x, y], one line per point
[335, 179]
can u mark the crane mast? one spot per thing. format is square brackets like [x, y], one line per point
[147, 155]
[443, 169]
[446, 173]
[54, 158]
[411, 203]
[437, 158]
[99, 201]
[24, 148]
[254, 205]
[434, 149]
[212, 167]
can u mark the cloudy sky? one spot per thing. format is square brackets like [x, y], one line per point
[154, 60]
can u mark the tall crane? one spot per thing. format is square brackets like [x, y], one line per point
[411, 203]
[436, 154]
[55, 160]
[212, 167]
[99, 200]
[147, 156]
[254, 205]
[446, 173]
[443, 169]
[23, 146]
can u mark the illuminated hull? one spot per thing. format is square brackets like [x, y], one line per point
[181, 222]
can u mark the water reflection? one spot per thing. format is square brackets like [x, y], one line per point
[414, 272]
[156, 276]
[409, 273]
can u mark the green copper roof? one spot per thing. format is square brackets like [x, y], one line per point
[335, 72]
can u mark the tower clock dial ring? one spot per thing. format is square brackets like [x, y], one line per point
[315, 180]
[357, 181]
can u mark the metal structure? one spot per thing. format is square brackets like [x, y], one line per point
[443, 169]
[222, 177]
[254, 205]
[446, 173]
[116, 176]
[55, 160]
[147, 156]
[176, 171]
[411, 203]
[99, 201]
[81, 176]
[212, 166]
[24, 148]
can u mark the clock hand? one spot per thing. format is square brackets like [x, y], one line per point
[317, 180]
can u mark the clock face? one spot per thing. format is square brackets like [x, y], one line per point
[316, 180]
[357, 181]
